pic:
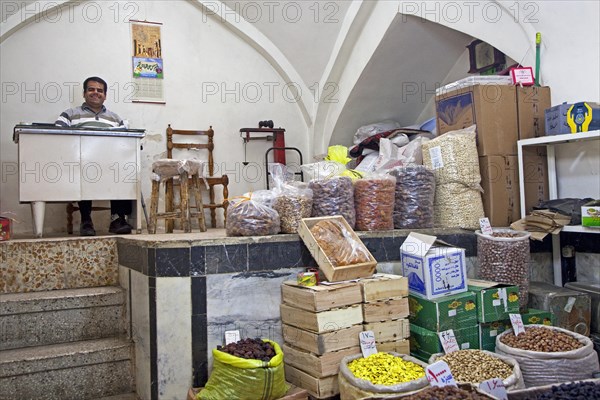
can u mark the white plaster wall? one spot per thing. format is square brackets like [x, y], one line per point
[211, 78]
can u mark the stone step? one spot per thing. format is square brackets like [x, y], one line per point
[59, 316]
[81, 370]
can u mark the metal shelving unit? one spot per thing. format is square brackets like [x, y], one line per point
[550, 142]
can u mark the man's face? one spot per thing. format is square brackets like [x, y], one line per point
[94, 94]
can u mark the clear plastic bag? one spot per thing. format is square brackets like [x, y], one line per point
[415, 194]
[457, 206]
[374, 203]
[453, 157]
[338, 244]
[333, 197]
[292, 202]
[247, 217]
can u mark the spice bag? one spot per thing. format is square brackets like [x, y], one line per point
[293, 200]
[544, 368]
[333, 196]
[513, 382]
[352, 387]
[243, 379]
[415, 193]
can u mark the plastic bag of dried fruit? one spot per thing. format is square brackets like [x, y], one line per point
[245, 379]
[293, 200]
[248, 217]
[374, 198]
[550, 366]
[480, 365]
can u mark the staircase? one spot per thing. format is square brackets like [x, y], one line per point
[63, 344]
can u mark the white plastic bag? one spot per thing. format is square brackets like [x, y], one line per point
[373, 129]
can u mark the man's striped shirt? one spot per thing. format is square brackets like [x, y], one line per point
[84, 116]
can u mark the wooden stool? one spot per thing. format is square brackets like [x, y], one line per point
[188, 173]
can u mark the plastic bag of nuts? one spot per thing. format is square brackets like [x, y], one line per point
[476, 366]
[292, 203]
[504, 257]
[246, 217]
[453, 157]
[415, 193]
[333, 196]
[374, 202]
[560, 360]
[457, 205]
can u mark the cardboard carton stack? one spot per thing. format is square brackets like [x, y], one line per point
[438, 296]
[503, 114]
[321, 325]
[494, 304]
[385, 311]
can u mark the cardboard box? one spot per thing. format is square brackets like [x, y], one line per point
[541, 317]
[388, 331]
[321, 343]
[320, 297]
[383, 287]
[335, 273]
[433, 268]
[317, 387]
[424, 343]
[319, 366]
[385, 310]
[590, 214]
[449, 312]
[500, 183]
[324, 321]
[489, 331]
[535, 177]
[532, 102]
[559, 122]
[492, 108]
[494, 300]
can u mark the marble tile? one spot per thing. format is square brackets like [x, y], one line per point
[540, 268]
[226, 259]
[248, 302]
[140, 333]
[269, 256]
[588, 267]
[198, 261]
[173, 262]
[173, 337]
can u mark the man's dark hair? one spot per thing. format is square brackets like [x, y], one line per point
[95, 79]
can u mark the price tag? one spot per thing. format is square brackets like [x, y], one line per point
[232, 337]
[517, 323]
[367, 343]
[486, 227]
[448, 341]
[495, 387]
[439, 374]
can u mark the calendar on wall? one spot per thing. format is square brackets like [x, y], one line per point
[147, 62]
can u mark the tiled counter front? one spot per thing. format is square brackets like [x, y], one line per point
[184, 294]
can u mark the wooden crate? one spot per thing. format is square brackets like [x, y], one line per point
[383, 287]
[385, 310]
[388, 331]
[321, 343]
[319, 366]
[324, 321]
[401, 346]
[294, 393]
[320, 297]
[319, 388]
[331, 272]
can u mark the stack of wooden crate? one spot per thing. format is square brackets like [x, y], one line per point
[321, 325]
[385, 311]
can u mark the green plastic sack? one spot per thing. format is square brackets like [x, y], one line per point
[243, 379]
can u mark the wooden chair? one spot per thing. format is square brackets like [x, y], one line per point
[175, 141]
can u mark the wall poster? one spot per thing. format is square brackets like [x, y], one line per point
[147, 62]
